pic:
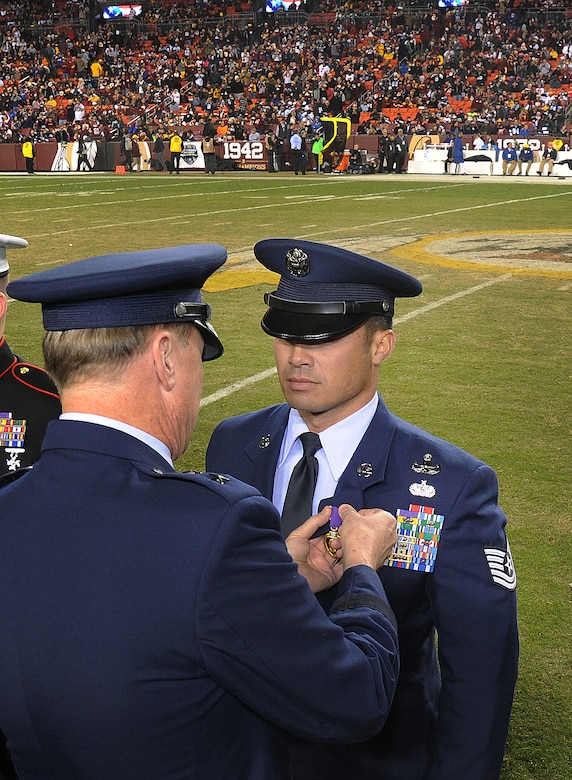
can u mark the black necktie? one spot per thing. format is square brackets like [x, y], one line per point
[298, 502]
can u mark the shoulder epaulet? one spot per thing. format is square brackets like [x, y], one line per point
[224, 484]
[35, 377]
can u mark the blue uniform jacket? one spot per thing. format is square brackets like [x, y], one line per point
[444, 724]
[154, 626]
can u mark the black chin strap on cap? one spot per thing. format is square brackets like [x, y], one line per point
[327, 307]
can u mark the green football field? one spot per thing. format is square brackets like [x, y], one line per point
[483, 355]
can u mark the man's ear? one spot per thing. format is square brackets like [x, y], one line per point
[383, 343]
[163, 358]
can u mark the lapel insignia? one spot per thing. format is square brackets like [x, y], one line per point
[264, 441]
[426, 466]
[365, 470]
[422, 489]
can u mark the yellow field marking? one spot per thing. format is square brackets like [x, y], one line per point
[418, 251]
[235, 279]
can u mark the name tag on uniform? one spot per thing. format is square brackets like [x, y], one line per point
[419, 531]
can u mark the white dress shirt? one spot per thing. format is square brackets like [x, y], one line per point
[339, 442]
[137, 433]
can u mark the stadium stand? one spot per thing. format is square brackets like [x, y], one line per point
[502, 68]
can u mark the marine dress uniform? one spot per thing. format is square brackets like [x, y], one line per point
[28, 397]
[451, 574]
[153, 622]
[28, 401]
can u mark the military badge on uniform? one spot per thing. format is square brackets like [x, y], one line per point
[297, 262]
[264, 441]
[12, 436]
[220, 478]
[426, 466]
[501, 566]
[333, 531]
[365, 470]
[422, 489]
[419, 531]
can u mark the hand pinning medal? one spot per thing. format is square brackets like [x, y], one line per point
[334, 532]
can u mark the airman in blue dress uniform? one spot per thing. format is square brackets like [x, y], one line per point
[451, 576]
[154, 624]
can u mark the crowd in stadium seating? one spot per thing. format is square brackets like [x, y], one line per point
[496, 68]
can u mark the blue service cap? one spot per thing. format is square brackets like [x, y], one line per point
[157, 286]
[324, 291]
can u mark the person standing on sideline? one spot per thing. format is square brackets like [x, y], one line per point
[382, 149]
[131, 605]
[159, 149]
[400, 150]
[317, 151]
[270, 147]
[29, 153]
[296, 151]
[303, 152]
[175, 148]
[458, 155]
[390, 152]
[136, 153]
[451, 577]
[28, 401]
[83, 152]
[208, 149]
[126, 147]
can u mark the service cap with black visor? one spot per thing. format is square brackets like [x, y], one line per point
[326, 292]
[151, 287]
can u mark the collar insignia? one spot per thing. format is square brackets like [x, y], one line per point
[264, 441]
[365, 470]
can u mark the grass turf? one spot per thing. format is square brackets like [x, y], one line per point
[483, 356]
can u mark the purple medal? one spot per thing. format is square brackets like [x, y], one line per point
[334, 532]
